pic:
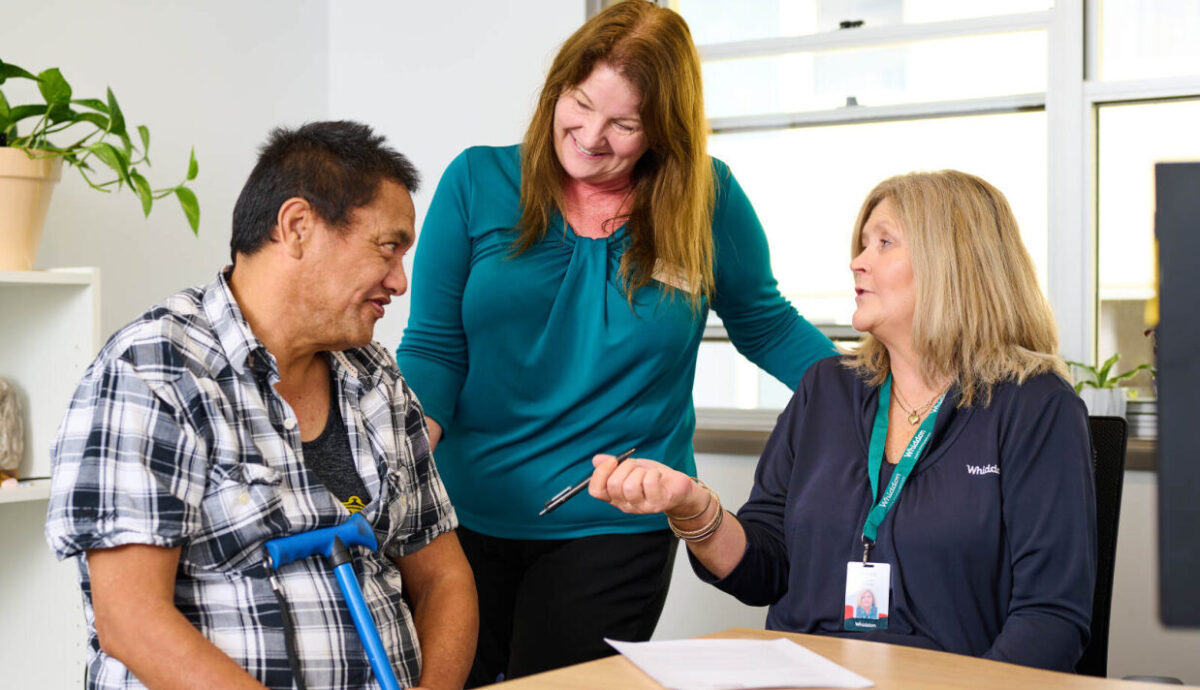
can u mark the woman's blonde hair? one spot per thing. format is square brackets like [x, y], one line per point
[670, 218]
[980, 317]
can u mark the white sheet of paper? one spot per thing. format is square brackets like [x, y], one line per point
[736, 664]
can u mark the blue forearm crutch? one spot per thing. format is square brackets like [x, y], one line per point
[333, 543]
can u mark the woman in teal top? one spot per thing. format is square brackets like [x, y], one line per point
[549, 325]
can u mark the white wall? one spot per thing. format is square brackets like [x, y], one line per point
[216, 75]
[438, 77]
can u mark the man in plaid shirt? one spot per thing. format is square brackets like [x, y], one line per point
[257, 407]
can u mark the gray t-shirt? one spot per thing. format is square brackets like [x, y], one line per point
[328, 456]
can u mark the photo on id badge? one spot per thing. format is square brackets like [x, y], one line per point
[868, 589]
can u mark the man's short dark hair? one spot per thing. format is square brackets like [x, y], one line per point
[335, 166]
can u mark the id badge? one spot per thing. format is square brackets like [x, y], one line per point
[868, 589]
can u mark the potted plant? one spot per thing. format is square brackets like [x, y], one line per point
[98, 144]
[1098, 386]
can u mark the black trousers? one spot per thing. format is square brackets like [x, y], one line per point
[544, 604]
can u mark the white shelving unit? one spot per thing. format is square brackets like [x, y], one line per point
[38, 490]
[49, 333]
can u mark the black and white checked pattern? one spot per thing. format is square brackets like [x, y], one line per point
[176, 437]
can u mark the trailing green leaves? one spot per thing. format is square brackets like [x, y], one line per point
[142, 187]
[8, 71]
[97, 119]
[191, 207]
[98, 134]
[115, 116]
[92, 103]
[114, 158]
[54, 88]
[21, 112]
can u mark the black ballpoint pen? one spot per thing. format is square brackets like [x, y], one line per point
[563, 496]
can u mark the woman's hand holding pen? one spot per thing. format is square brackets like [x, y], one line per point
[645, 486]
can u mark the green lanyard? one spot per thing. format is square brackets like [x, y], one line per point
[916, 447]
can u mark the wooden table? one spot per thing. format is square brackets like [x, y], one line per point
[890, 667]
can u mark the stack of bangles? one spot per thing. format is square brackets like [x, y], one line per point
[706, 531]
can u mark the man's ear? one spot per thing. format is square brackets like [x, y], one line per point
[294, 226]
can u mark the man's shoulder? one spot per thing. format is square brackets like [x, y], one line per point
[167, 339]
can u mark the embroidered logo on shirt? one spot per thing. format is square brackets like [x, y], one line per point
[985, 469]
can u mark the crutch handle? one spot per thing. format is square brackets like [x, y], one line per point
[332, 543]
[353, 532]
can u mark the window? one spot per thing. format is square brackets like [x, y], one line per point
[1062, 105]
[1141, 39]
[809, 205]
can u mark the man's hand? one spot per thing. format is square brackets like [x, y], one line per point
[133, 597]
[445, 610]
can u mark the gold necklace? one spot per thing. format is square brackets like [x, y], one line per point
[914, 414]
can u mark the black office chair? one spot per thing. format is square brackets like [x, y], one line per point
[1108, 463]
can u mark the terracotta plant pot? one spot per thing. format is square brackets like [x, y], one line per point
[25, 188]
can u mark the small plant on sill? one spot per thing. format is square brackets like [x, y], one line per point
[1103, 377]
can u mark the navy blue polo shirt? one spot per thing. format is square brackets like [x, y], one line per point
[992, 542]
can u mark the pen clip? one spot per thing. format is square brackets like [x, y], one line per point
[559, 495]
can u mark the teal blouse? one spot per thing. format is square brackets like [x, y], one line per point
[534, 363]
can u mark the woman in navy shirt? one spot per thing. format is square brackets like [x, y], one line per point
[967, 493]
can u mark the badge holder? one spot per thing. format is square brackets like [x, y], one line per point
[868, 593]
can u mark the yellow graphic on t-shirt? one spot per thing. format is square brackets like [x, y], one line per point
[354, 504]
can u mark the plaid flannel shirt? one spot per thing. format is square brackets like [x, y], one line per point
[176, 437]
